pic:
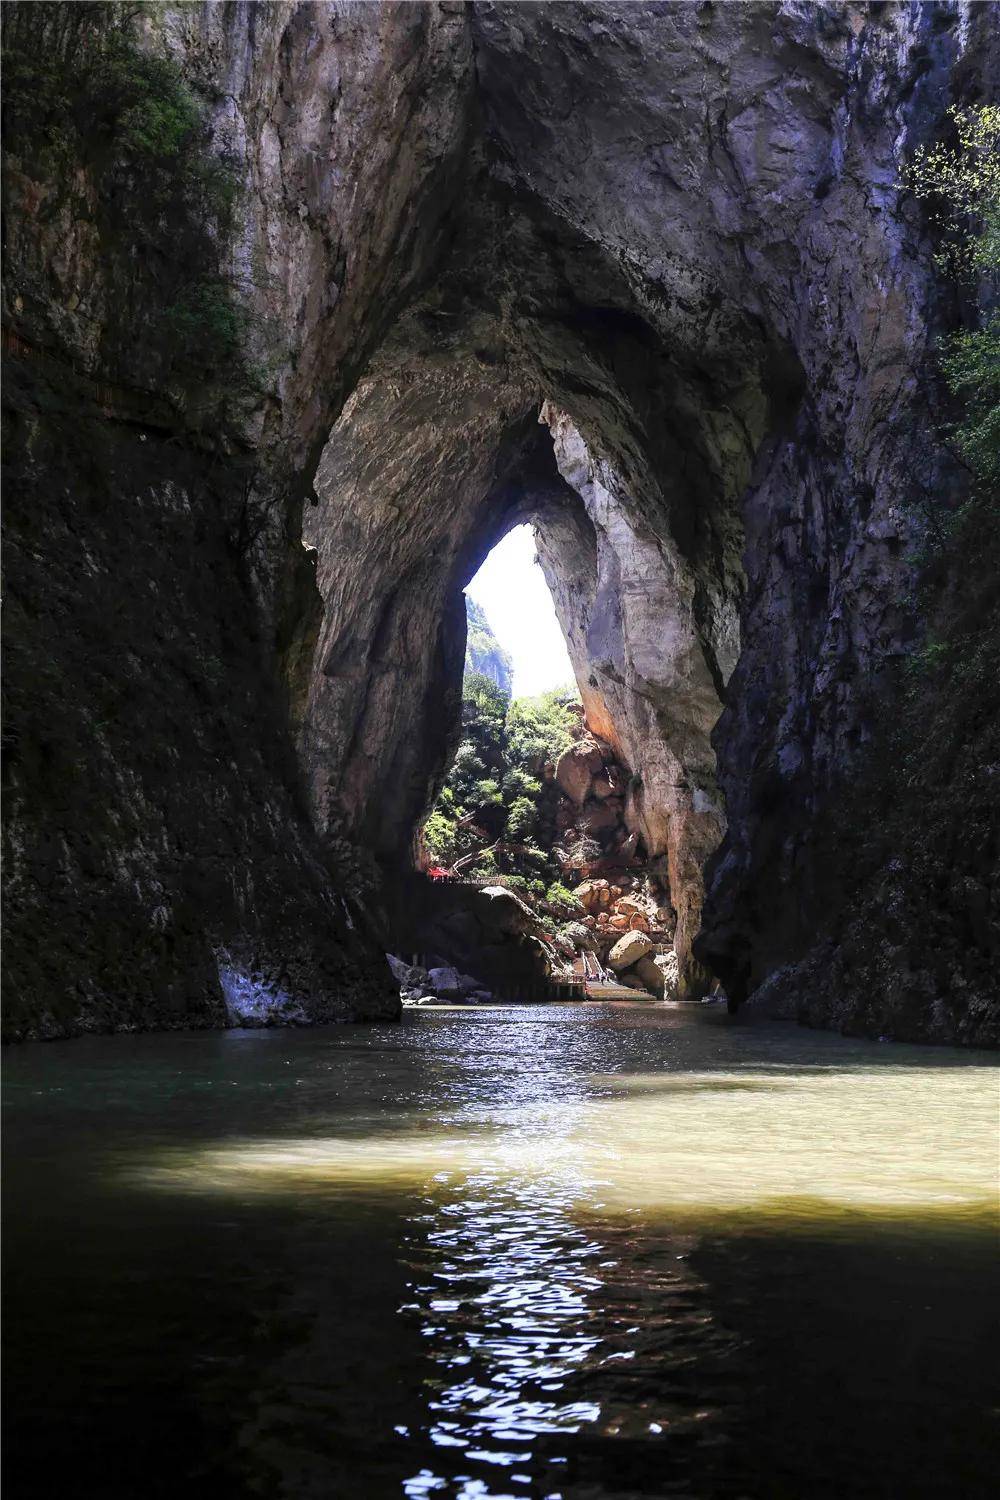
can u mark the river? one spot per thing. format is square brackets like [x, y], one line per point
[582, 1251]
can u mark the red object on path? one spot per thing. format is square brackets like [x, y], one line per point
[435, 872]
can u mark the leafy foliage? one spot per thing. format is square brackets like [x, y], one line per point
[539, 729]
[962, 183]
[962, 180]
[917, 834]
[88, 98]
[560, 896]
[495, 792]
[521, 819]
[74, 77]
[971, 366]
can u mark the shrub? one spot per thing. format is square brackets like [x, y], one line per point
[487, 698]
[81, 93]
[962, 183]
[440, 838]
[521, 819]
[518, 783]
[539, 729]
[534, 857]
[562, 897]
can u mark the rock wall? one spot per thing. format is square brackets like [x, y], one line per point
[483, 652]
[676, 230]
[651, 680]
[156, 829]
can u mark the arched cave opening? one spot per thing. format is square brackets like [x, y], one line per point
[530, 831]
[650, 648]
[537, 379]
[445, 222]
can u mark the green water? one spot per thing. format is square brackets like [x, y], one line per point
[576, 1251]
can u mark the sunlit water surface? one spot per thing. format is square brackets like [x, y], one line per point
[573, 1251]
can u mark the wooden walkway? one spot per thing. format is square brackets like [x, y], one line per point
[597, 990]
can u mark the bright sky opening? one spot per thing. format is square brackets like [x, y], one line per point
[512, 590]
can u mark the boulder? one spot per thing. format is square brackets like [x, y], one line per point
[633, 982]
[627, 906]
[501, 911]
[460, 930]
[400, 970]
[628, 950]
[668, 967]
[621, 923]
[581, 936]
[651, 975]
[639, 922]
[576, 769]
[407, 976]
[593, 894]
[446, 982]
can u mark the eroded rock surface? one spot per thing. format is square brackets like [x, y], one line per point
[673, 233]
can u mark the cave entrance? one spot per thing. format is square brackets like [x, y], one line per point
[508, 602]
[539, 879]
[387, 718]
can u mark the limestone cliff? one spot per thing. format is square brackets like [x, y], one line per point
[483, 652]
[675, 235]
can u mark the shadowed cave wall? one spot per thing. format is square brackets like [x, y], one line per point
[673, 233]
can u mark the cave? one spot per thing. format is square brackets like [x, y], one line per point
[435, 271]
[532, 381]
[651, 643]
[654, 1153]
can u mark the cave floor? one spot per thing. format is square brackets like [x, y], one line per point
[575, 1251]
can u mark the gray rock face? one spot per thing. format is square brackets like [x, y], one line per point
[483, 652]
[639, 274]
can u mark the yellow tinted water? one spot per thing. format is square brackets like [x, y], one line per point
[585, 1252]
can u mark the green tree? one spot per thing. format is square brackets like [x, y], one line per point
[519, 783]
[521, 819]
[539, 729]
[961, 182]
[561, 897]
[489, 700]
[494, 785]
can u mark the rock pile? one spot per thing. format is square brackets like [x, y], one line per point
[637, 964]
[620, 894]
[420, 986]
[590, 819]
[627, 907]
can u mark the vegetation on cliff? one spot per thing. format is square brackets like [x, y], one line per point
[922, 843]
[961, 180]
[483, 652]
[496, 810]
[100, 123]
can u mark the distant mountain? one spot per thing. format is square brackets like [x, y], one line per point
[483, 652]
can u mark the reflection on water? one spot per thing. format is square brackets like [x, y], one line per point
[506, 1291]
[598, 1251]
